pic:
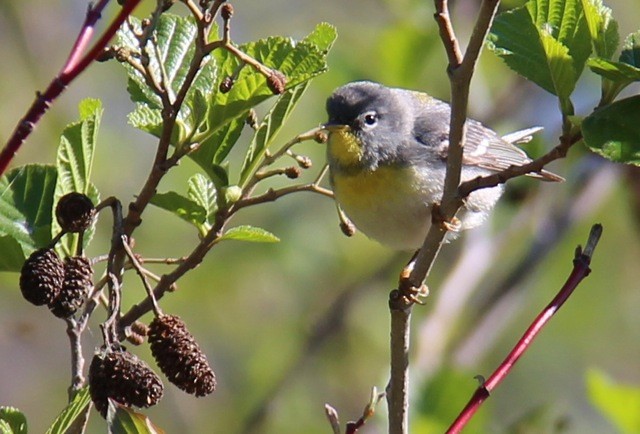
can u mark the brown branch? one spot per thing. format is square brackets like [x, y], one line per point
[73, 67]
[460, 71]
[581, 269]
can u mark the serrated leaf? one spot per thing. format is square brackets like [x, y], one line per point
[77, 408]
[269, 127]
[602, 28]
[77, 145]
[185, 208]
[74, 164]
[15, 420]
[203, 192]
[170, 54]
[614, 71]
[631, 50]
[26, 203]
[617, 402]
[614, 131]
[545, 41]
[123, 420]
[249, 233]
[323, 36]
[214, 149]
[299, 62]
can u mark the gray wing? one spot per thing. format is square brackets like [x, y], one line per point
[483, 147]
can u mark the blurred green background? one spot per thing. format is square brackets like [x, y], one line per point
[289, 327]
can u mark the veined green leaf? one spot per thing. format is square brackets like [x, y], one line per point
[76, 409]
[185, 208]
[26, 203]
[618, 403]
[268, 129]
[170, 55]
[323, 36]
[249, 233]
[602, 28]
[545, 41]
[14, 421]
[299, 62]
[203, 192]
[614, 71]
[74, 163]
[214, 149]
[613, 131]
[123, 420]
[631, 50]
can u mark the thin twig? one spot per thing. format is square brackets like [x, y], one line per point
[581, 269]
[77, 360]
[73, 67]
[143, 275]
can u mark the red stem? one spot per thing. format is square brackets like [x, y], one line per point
[75, 64]
[580, 271]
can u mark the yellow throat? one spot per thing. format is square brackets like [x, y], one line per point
[344, 147]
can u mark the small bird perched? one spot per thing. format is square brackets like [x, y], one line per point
[387, 152]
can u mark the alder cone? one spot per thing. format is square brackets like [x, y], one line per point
[75, 212]
[123, 377]
[179, 357]
[41, 277]
[75, 287]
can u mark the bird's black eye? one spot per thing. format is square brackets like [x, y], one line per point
[370, 118]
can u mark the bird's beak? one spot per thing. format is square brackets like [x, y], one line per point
[332, 127]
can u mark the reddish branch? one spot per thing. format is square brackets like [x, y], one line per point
[76, 63]
[580, 270]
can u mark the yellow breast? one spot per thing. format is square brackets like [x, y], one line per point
[344, 147]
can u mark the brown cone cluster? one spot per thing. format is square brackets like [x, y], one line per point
[41, 277]
[179, 357]
[123, 377]
[75, 287]
[75, 212]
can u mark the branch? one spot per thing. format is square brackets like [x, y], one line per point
[460, 71]
[73, 67]
[581, 269]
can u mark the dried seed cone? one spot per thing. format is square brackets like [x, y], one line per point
[75, 212]
[179, 357]
[41, 277]
[277, 82]
[75, 287]
[123, 377]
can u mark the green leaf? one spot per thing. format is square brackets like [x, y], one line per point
[323, 37]
[268, 129]
[299, 62]
[74, 164]
[602, 28]
[631, 50]
[614, 131]
[26, 203]
[185, 208]
[123, 420]
[614, 71]
[214, 149]
[545, 41]
[619, 403]
[170, 54]
[77, 409]
[249, 233]
[14, 419]
[203, 192]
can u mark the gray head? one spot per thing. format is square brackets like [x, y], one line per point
[375, 114]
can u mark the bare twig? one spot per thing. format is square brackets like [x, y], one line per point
[581, 269]
[77, 360]
[143, 275]
[332, 415]
[74, 66]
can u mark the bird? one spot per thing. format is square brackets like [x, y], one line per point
[387, 150]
